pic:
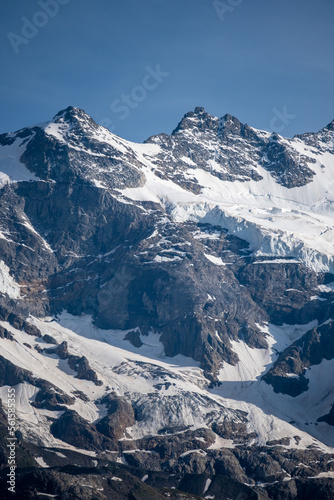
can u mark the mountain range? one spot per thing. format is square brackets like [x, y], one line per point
[167, 311]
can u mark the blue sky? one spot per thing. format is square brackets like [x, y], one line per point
[269, 63]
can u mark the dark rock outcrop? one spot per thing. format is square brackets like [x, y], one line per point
[288, 373]
[74, 430]
[120, 416]
[329, 417]
[77, 363]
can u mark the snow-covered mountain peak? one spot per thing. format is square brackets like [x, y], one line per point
[72, 113]
[71, 123]
[322, 141]
[77, 119]
[197, 121]
[199, 328]
[206, 162]
[229, 123]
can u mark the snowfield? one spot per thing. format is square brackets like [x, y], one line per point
[186, 402]
[275, 220]
[11, 168]
[7, 283]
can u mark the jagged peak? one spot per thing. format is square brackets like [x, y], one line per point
[228, 119]
[330, 126]
[230, 125]
[74, 116]
[198, 119]
[69, 113]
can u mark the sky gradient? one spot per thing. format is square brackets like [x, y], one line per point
[137, 66]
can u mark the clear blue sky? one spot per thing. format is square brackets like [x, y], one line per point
[258, 56]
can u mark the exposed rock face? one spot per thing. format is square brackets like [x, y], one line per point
[50, 399]
[161, 304]
[282, 289]
[127, 285]
[5, 334]
[188, 144]
[74, 430]
[120, 416]
[285, 165]
[234, 430]
[76, 363]
[329, 418]
[11, 374]
[69, 159]
[18, 322]
[288, 373]
[71, 482]
[195, 483]
[48, 396]
[301, 488]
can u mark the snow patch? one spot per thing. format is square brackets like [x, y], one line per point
[215, 260]
[7, 283]
[11, 168]
[323, 474]
[41, 462]
[207, 485]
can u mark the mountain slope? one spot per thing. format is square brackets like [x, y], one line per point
[169, 305]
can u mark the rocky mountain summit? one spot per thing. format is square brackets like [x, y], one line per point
[166, 310]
